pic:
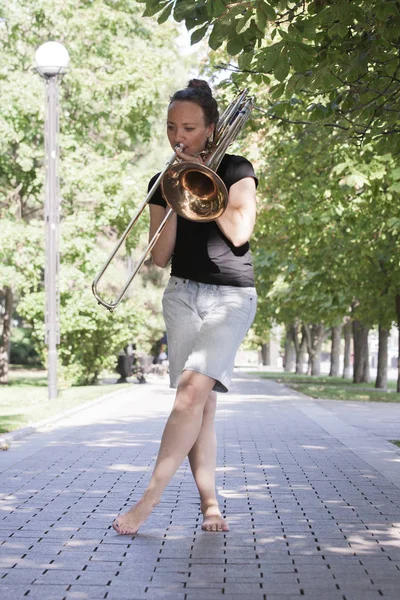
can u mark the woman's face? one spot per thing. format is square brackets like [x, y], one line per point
[186, 125]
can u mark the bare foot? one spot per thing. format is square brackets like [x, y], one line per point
[129, 522]
[213, 520]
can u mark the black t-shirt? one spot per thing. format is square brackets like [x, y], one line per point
[202, 252]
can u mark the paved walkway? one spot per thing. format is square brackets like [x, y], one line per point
[311, 489]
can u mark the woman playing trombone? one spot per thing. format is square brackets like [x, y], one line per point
[209, 304]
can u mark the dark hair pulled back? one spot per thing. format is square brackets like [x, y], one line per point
[199, 92]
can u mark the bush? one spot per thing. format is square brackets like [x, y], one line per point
[90, 336]
[22, 349]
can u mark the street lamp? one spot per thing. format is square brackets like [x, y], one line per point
[52, 61]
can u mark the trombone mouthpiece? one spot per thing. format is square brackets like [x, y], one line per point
[179, 147]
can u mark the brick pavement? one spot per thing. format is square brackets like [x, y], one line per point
[311, 490]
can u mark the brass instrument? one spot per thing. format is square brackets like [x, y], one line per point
[193, 191]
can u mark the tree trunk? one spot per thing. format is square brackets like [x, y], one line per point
[347, 330]
[289, 357]
[398, 352]
[266, 353]
[381, 376]
[318, 336]
[361, 355]
[336, 332]
[300, 347]
[301, 355]
[366, 377]
[315, 336]
[6, 335]
[309, 364]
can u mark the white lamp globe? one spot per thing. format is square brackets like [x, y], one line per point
[51, 58]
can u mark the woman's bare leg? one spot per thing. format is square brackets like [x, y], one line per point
[203, 460]
[180, 433]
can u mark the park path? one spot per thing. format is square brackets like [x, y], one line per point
[311, 489]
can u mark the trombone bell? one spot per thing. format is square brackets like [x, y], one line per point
[194, 192]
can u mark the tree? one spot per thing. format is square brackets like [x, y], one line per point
[336, 336]
[21, 268]
[327, 74]
[110, 103]
[342, 57]
[328, 228]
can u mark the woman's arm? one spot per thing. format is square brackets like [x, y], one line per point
[237, 222]
[165, 245]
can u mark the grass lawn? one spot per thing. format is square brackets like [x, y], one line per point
[24, 400]
[333, 388]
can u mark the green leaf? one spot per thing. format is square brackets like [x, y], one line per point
[306, 50]
[153, 7]
[165, 14]
[297, 61]
[277, 90]
[217, 36]
[198, 34]
[243, 23]
[294, 82]
[329, 81]
[234, 46]
[386, 9]
[394, 222]
[184, 8]
[281, 69]
[306, 28]
[391, 66]
[268, 58]
[279, 109]
[218, 8]
[268, 10]
[261, 18]
[244, 60]
[395, 173]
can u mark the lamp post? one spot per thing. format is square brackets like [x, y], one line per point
[52, 61]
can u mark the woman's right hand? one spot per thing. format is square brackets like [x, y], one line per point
[182, 155]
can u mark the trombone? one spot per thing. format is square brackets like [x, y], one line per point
[193, 191]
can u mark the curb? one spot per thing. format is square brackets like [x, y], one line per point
[18, 434]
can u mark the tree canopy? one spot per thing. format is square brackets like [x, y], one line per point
[339, 58]
[325, 143]
[122, 71]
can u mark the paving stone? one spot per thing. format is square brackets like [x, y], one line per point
[21, 576]
[15, 590]
[85, 593]
[196, 595]
[310, 506]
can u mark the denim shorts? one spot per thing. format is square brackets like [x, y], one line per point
[205, 327]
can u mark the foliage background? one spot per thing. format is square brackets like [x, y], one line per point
[324, 140]
[112, 103]
[325, 76]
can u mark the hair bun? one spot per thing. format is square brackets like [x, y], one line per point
[200, 84]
